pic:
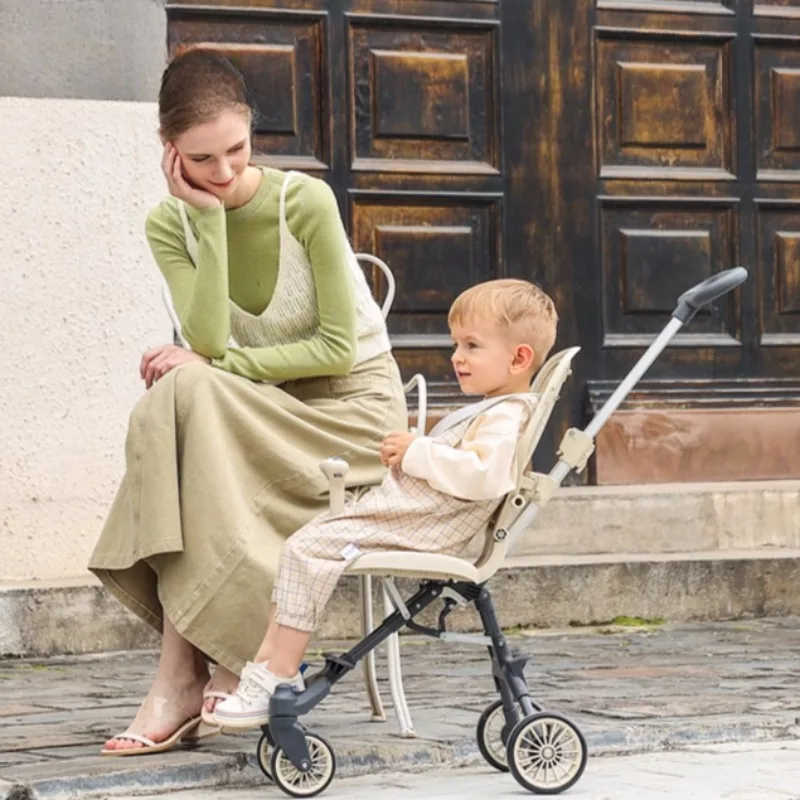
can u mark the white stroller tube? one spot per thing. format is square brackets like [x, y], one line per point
[562, 468]
[689, 304]
[633, 377]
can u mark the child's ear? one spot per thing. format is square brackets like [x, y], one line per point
[523, 358]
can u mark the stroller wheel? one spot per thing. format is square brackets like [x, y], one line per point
[264, 755]
[305, 784]
[547, 753]
[492, 734]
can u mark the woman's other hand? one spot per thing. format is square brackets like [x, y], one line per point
[156, 363]
[178, 185]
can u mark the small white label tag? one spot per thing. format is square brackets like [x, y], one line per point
[349, 552]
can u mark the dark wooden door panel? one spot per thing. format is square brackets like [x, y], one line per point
[664, 105]
[652, 251]
[437, 245]
[424, 95]
[284, 58]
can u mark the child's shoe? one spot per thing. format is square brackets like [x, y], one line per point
[249, 706]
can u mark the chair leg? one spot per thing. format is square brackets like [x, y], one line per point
[367, 624]
[396, 677]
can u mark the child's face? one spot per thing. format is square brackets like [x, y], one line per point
[486, 361]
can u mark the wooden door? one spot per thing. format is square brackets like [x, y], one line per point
[696, 137]
[614, 151]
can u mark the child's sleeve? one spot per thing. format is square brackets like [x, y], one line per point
[482, 466]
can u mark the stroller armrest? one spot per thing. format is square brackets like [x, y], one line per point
[335, 470]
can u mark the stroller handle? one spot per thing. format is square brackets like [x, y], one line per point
[711, 289]
[577, 445]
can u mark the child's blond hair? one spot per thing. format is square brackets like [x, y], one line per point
[517, 307]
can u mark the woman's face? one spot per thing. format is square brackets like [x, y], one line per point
[215, 154]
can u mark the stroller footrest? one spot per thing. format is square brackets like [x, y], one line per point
[339, 661]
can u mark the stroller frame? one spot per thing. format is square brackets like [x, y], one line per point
[536, 742]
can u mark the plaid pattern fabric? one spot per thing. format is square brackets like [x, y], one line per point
[403, 513]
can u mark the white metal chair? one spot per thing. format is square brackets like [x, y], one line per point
[365, 582]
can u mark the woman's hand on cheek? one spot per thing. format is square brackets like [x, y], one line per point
[179, 187]
[156, 363]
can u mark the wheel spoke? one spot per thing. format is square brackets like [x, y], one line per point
[564, 735]
[533, 739]
[558, 766]
[527, 761]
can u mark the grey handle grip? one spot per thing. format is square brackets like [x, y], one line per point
[711, 289]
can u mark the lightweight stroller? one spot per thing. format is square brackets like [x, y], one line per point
[544, 751]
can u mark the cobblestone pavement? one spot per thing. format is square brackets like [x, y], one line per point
[629, 690]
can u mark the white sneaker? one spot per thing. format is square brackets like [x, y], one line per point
[249, 706]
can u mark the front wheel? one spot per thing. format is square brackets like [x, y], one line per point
[305, 784]
[264, 756]
[492, 734]
[546, 753]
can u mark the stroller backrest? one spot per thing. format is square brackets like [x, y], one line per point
[547, 384]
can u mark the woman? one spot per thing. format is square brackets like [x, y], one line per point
[290, 364]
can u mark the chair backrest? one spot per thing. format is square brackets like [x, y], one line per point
[417, 381]
[548, 384]
[391, 286]
[166, 297]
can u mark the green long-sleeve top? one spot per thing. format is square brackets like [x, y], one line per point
[237, 258]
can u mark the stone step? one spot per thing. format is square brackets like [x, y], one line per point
[678, 552]
[541, 591]
[671, 518]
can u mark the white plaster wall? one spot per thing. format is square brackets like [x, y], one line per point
[79, 302]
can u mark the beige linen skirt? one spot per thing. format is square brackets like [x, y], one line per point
[220, 470]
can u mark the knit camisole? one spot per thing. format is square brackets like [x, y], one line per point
[292, 313]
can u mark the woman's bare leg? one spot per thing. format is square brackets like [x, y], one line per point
[175, 695]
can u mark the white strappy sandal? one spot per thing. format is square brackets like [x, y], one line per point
[191, 731]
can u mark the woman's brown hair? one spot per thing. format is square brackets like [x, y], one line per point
[196, 87]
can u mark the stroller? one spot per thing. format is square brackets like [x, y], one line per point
[544, 751]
